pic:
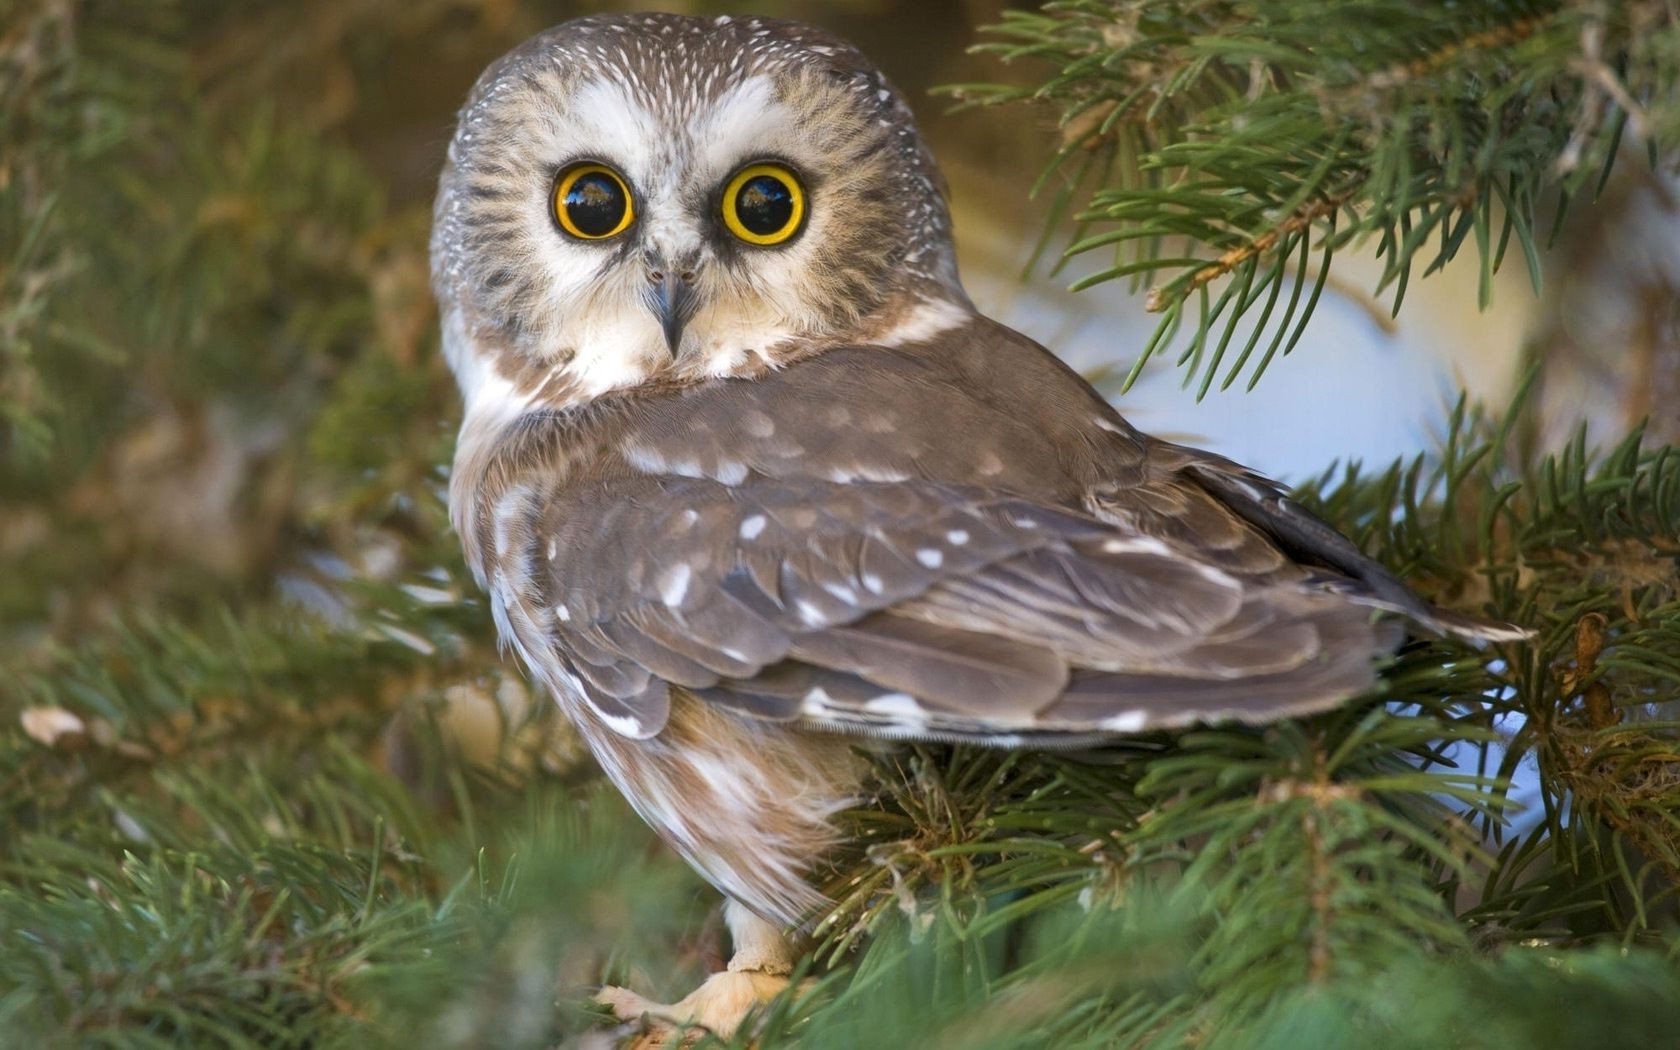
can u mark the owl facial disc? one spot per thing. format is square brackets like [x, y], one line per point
[631, 199]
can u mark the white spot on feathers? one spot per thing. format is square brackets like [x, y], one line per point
[1125, 722]
[652, 461]
[932, 557]
[817, 702]
[623, 726]
[673, 584]
[864, 472]
[751, 527]
[509, 518]
[842, 592]
[898, 705]
[730, 472]
[1136, 545]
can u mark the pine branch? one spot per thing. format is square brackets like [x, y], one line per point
[1237, 141]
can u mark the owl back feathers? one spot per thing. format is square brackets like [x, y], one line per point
[955, 539]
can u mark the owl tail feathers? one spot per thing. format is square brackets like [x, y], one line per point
[1388, 594]
[1299, 533]
[1473, 629]
[1380, 589]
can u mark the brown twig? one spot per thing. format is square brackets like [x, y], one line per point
[1503, 36]
[1595, 696]
[1308, 214]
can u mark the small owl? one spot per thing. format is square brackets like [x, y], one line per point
[747, 477]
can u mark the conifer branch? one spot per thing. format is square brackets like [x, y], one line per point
[1251, 132]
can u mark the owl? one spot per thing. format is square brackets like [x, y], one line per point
[747, 478]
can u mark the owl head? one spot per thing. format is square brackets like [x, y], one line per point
[631, 198]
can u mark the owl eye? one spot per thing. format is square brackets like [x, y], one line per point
[592, 203]
[764, 204]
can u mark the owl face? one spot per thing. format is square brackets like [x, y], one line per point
[630, 198]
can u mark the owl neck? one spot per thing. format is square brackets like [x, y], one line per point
[501, 378]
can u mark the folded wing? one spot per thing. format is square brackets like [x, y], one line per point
[911, 609]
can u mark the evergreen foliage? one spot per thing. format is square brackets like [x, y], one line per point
[265, 782]
[1235, 148]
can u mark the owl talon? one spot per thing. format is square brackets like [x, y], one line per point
[719, 1006]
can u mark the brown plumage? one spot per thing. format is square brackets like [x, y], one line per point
[837, 500]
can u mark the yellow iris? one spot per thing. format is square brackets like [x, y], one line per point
[764, 204]
[592, 203]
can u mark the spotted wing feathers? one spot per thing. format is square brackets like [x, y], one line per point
[956, 538]
[914, 609]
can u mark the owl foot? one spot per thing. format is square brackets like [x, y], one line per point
[717, 1006]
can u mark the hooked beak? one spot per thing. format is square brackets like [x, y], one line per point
[672, 299]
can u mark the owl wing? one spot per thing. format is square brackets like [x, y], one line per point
[910, 609]
[1257, 501]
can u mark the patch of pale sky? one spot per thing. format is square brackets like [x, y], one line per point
[1353, 389]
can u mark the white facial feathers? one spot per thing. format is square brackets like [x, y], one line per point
[676, 107]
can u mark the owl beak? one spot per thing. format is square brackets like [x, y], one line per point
[672, 298]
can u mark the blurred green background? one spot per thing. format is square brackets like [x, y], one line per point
[217, 346]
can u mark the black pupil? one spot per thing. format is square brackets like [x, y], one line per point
[595, 203]
[764, 205]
